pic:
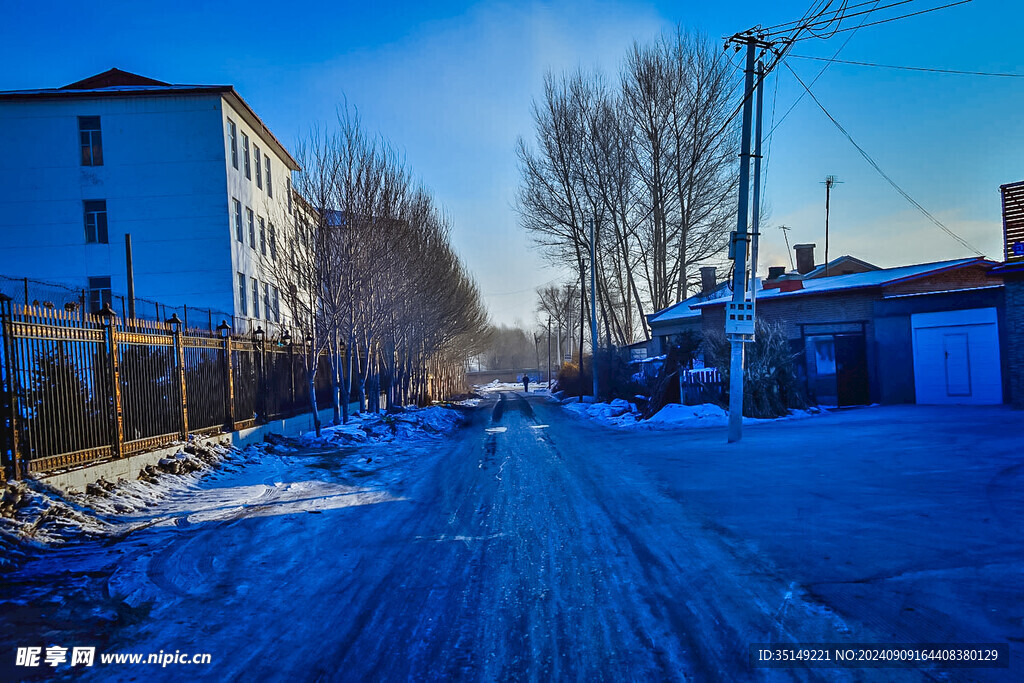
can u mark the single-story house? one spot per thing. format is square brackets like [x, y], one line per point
[929, 333]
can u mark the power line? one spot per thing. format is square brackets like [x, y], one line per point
[819, 74]
[874, 165]
[800, 23]
[913, 68]
[902, 16]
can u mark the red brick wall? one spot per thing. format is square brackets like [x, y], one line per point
[1014, 321]
[961, 278]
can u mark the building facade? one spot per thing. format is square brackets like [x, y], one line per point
[190, 172]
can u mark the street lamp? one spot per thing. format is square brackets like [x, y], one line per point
[223, 329]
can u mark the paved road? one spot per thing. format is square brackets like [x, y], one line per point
[532, 546]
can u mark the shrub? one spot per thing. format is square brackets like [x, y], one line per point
[665, 387]
[770, 382]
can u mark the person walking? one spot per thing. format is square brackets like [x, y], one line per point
[526, 383]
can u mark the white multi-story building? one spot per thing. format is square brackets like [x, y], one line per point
[189, 171]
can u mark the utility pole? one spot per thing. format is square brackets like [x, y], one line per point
[739, 319]
[828, 183]
[785, 233]
[130, 274]
[593, 308]
[756, 206]
[549, 354]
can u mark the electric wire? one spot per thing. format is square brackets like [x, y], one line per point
[912, 68]
[819, 74]
[903, 16]
[885, 176]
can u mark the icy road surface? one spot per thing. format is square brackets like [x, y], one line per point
[537, 546]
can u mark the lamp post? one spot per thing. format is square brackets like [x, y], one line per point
[224, 331]
[257, 336]
[179, 361]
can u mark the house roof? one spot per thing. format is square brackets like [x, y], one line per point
[118, 83]
[883, 277]
[684, 309]
[819, 271]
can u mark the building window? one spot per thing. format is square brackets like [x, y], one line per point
[239, 230]
[91, 141]
[273, 243]
[255, 298]
[263, 236]
[267, 308]
[95, 221]
[99, 293]
[259, 175]
[288, 189]
[233, 141]
[243, 304]
[270, 184]
[276, 301]
[252, 227]
[245, 156]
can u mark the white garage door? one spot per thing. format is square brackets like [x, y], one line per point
[956, 357]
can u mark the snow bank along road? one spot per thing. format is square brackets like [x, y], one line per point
[537, 546]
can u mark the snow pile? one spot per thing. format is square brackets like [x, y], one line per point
[621, 413]
[409, 425]
[618, 413]
[704, 415]
[38, 515]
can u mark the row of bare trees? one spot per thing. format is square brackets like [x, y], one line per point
[649, 159]
[374, 280]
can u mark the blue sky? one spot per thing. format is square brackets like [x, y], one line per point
[451, 83]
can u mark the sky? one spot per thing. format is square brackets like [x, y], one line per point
[450, 84]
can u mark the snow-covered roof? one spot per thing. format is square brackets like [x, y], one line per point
[872, 278]
[684, 309]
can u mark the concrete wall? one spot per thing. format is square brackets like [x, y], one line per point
[249, 257]
[162, 178]
[894, 336]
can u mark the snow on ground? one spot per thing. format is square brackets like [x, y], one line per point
[623, 414]
[186, 486]
[496, 386]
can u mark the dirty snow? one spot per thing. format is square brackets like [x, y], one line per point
[185, 487]
[623, 414]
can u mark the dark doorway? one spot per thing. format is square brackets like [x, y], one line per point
[852, 370]
[836, 366]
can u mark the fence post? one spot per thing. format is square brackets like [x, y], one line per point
[179, 362]
[12, 469]
[117, 410]
[229, 376]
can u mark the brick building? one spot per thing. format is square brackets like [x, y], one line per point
[1011, 272]
[928, 333]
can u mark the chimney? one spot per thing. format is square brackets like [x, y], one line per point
[804, 258]
[775, 272]
[707, 279]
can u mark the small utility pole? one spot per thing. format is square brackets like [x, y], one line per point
[739, 254]
[828, 182]
[756, 208]
[131, 275]
[549, 354]
[785, 233]
[593, 308]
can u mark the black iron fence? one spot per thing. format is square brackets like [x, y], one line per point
[79, 388]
